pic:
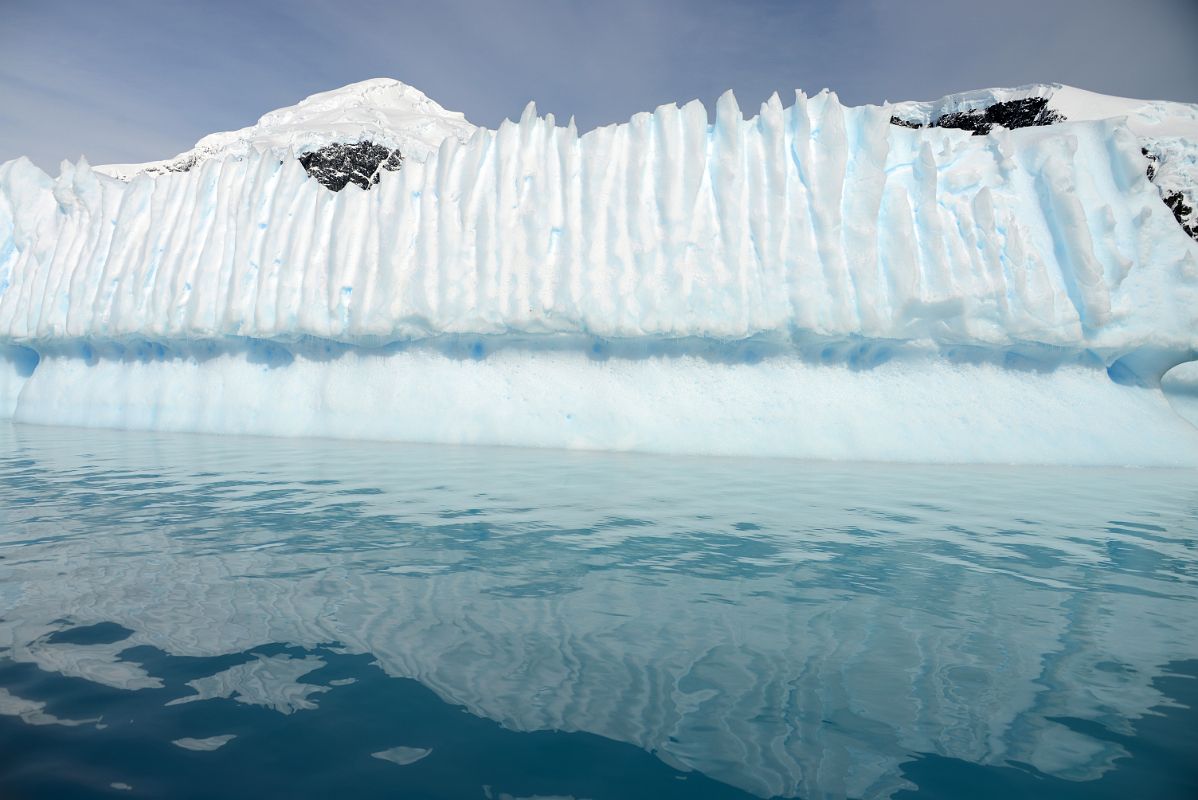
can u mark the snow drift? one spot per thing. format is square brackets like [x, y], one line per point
[813, 281]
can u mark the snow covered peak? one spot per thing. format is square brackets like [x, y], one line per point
[381, 107]
[384, 111]
[381, 94]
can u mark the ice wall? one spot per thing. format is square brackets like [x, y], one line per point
[818, 219]
[815, 235]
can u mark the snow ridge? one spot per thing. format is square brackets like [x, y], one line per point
[382, 110]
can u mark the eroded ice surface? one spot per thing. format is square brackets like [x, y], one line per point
[814, 272]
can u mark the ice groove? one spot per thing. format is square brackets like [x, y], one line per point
[818, 218]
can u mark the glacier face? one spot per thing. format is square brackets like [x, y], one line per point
[811, 281]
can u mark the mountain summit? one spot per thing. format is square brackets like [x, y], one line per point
[382, 111]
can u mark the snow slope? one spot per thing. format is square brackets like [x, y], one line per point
[811, 281]
[1145, 118]
[382, 110]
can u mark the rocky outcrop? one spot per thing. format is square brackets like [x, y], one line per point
[336, 165]
[1152, 160]
[904, 123]
[1023, 113]
[1174, 198]
[1183, 212]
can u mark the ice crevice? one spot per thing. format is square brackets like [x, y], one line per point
[810, 281]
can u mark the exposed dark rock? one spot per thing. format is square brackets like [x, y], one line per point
[336, 165]
[1152, 159]
[1025, 113]
[182, 165]
[1183, 212]
[179, 165]
[965, 120]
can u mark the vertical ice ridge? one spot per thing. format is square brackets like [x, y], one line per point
[1057, 187]
[810, 219]
[865, 178]
[827, 155]
[695, 249]
[73, 245]
[802, 265]
[642, 227]
[770, 213]
[665, 213]
[729, 190]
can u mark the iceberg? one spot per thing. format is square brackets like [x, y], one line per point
[999, 276]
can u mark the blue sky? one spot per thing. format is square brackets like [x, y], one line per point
[134, 80]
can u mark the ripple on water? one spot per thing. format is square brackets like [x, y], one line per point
[229, 616]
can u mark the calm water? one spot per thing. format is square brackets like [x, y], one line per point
[201, 617]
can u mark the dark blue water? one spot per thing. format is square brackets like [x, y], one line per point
[219, 617]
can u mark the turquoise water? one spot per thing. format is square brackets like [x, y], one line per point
[212, 616]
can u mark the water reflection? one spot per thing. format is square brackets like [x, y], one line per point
[778, 627]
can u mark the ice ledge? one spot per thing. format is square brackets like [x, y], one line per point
[849, 399]
[1143, 366]
[933, 411]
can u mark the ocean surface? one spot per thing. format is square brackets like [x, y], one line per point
[188, 616]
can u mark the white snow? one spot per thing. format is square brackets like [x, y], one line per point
[1143, 117]
[811, 281]
[382, 110]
